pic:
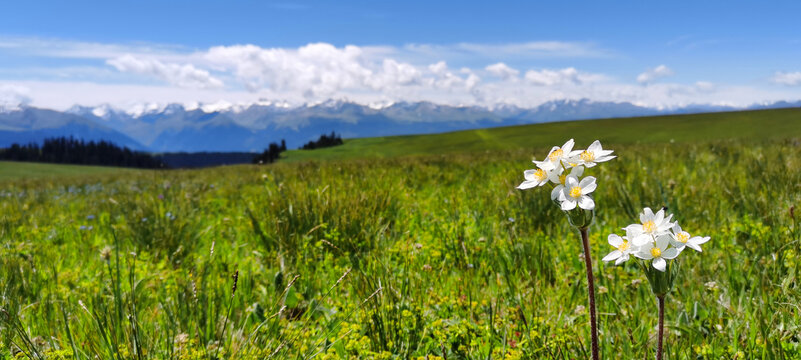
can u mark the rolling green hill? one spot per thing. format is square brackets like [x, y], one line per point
[757, 125]
[10, 170]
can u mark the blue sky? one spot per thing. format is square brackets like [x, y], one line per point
[474, 53]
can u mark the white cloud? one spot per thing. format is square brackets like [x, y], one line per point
[787, 78]
[12, 97]
[547, 77]
[396, 73]
[503, 71]
[535, 49]
[377, 75]
[705, 86]
[185, 75]
[446, 79]
[51, 94]
[652, 74]
[61, 95]
[321, 70]
[316, 69]
[440, 68]
[524, 50]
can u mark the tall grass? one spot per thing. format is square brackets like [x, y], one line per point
[401, 258]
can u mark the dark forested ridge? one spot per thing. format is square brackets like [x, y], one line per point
[323, 142]
[65, 150]
[271, 153]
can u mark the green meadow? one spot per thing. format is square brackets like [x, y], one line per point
[21, 170]
[681, 129]
[414, 247]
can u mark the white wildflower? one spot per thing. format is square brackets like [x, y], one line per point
[592, 156]
[658, 252]
[577, 193]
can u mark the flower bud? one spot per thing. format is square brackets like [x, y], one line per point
[580, 218]
[661, 282]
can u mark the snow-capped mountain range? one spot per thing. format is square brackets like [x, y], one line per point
[237, 127]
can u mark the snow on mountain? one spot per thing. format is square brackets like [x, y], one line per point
[29, 124]
[225, 126]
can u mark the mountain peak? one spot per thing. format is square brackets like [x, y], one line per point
[225, 126]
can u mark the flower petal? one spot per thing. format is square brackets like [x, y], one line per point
[646, 215]
[527, 185]
[571, 181]
[556, 191]
[677, 244]
[612, 256]
[659, 216]
[614, 240]
[693, 246]
[595, 146]
[545, 165]
[574, 154]
[670, 253]
[587, 181]
[645, 255]
[585, 202]
[645, 251]
[633, 230]
[589, 188]
[659, 264]
[662, 242]
[642, 240]
[568, 146]
[568, 204]
[529, 175]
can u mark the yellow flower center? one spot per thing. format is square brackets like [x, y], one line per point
[556, 154]
[683, 237]
[649, 226]
[624, 246]
[562, 178]
[656, 252]
[587, 156]
[575, 191]
[540, 174]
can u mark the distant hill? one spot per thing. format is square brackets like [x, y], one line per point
[28, 125]
[175, 128]
[754, 125]
[251, 128]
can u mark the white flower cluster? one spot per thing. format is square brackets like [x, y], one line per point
[655, 238]
[563, 168]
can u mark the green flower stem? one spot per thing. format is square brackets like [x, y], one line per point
[661, 301]
[591, 291]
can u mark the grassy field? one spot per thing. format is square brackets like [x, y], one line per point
[682, 129]
[21, 170]
[422, 257]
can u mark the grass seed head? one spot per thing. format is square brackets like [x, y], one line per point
[236, 279]
[105, 253]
